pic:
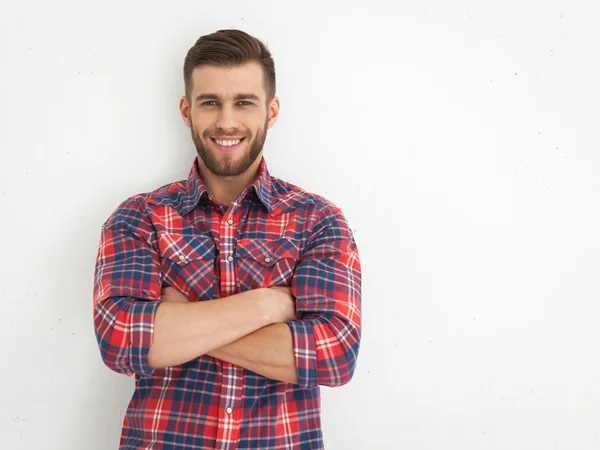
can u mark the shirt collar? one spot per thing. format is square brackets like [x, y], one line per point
[261, 186]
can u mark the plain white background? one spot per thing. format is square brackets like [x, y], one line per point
[461, 139]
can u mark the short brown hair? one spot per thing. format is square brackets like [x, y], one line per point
[229, 48]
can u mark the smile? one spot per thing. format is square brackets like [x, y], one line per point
[228, 144]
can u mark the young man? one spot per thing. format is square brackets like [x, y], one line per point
[232, 296]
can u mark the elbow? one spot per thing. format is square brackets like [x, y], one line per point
[342, 372]
[345, 376]
[113, 356]
[326, 351]
[118, 368]
[113, 336]
[339, 370]
[121, 361]
[114, 361]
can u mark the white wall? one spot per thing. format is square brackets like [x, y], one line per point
[461, 138]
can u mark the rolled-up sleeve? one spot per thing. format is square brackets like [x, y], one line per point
[127, 291]
[327, 288]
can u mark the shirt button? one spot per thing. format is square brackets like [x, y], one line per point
[230, 258]
[181, 257]
[229, 410]
[267, 260]
[230, 222]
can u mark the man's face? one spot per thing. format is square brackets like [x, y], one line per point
[229, 116]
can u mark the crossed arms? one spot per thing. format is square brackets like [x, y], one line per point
[139, 326]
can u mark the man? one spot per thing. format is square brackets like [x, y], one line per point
[232, 296]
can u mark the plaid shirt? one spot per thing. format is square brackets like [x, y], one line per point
[273, 234]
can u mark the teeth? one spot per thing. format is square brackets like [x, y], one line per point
[228, 143]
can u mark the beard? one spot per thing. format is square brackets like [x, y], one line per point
[226, 166]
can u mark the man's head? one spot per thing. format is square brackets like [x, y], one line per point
[229, 100]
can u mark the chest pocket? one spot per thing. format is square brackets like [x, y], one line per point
[265, 263]
[188, 263]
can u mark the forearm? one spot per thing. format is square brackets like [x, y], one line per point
[184, 331]
[267, 351]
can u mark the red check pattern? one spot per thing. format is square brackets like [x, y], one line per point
[274, 234]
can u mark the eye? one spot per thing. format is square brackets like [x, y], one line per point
[209, 103]
[245, 103]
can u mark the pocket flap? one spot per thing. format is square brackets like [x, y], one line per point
[183, 249]
[267, 252]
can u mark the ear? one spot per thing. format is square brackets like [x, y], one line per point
[273, 111]
[184, 108]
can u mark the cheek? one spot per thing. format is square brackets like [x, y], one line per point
[200, 122]
[199, 130]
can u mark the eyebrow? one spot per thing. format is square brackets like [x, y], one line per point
[237, 97]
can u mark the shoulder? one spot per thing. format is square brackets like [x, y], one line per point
[288, 197]
[136, 209]
[319, 215]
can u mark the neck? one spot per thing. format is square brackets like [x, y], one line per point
[226, 189]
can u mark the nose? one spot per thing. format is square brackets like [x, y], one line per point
[227, 119]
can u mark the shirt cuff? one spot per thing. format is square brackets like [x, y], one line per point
[141, 332]
[305, 353]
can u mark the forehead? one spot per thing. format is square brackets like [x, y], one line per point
[228, 81]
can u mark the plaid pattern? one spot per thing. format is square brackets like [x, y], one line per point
[274, 234]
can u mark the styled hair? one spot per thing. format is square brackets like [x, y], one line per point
[229, 48]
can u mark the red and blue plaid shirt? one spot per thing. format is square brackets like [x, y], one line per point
[273, 234]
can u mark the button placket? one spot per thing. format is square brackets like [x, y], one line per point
[232, 376]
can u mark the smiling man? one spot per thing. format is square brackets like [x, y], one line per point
[231, 296]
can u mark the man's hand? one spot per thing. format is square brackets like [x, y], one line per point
[283, 304]
[170, 294]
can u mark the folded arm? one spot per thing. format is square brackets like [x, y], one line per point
[321, 347]
[267, 351]
[136, 332]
